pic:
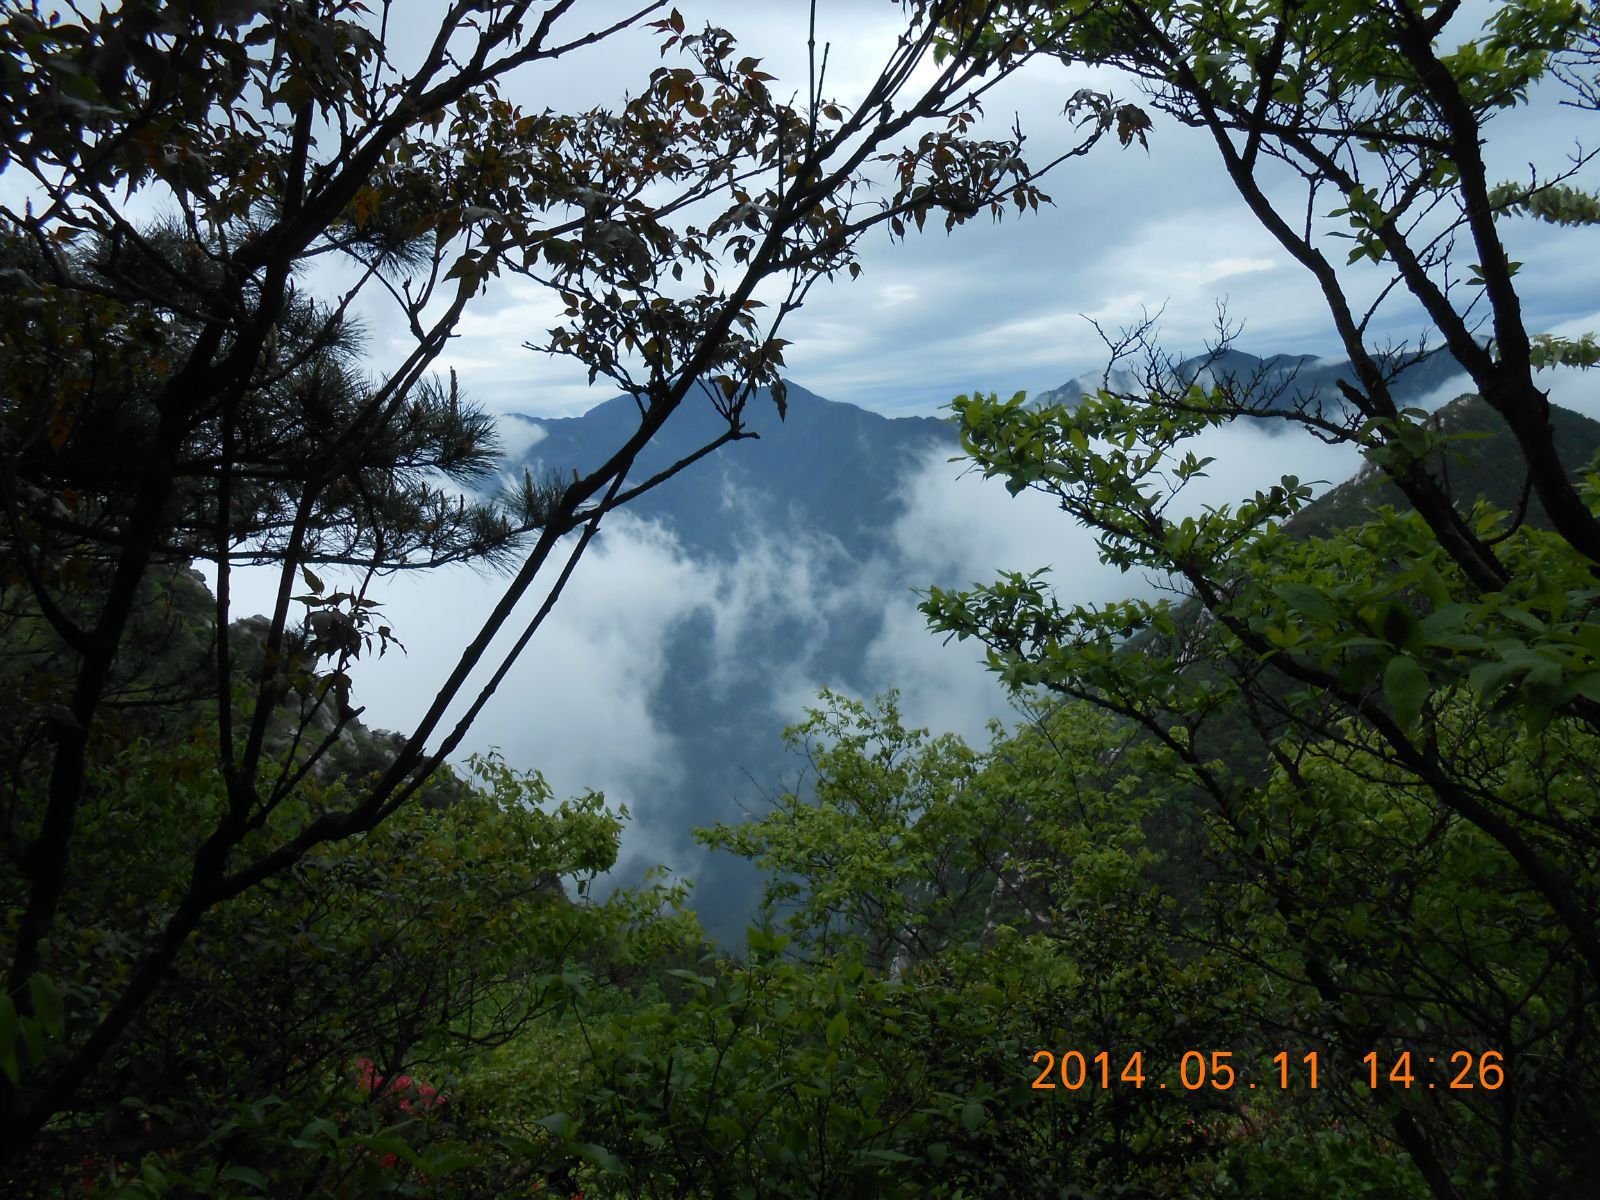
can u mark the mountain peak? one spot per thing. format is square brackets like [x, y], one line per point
[827, 465]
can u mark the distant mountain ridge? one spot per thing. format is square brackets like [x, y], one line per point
[1284, 378]
[822, 489]
[832, 466]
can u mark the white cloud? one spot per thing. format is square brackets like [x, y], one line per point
[518, 435]
[1447, 391]
[960, 529]
[585, 702]
[1222, 268]
[1574, 388]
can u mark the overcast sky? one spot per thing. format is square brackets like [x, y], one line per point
[1000, 306]
[994, 306]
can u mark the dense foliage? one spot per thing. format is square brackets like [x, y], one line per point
[1386, 734]
[1272, 862]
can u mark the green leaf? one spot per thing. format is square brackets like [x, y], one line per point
[1304, 598]
[1446, 619]
[32, 1040]
[1433, 585]
[838, 1029]
[560, 1124]
[1407, 686]
[600, 1157]
[318, 1131]
[47, 1006]
[246, 1175]
[704, 981]
[889, 1156]
[1488, 678]
[447, 1161]
[150, 1171]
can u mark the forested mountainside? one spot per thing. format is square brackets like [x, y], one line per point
[1477, 461]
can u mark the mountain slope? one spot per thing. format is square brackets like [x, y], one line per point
[1483, 464]
[828, 467]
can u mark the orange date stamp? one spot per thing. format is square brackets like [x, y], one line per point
[1222, 1070]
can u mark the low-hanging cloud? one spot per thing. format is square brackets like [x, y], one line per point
[663, 678]
[959, 528]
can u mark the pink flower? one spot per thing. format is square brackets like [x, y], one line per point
[403, 1088]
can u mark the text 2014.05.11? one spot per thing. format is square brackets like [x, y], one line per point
[1222, 1070]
